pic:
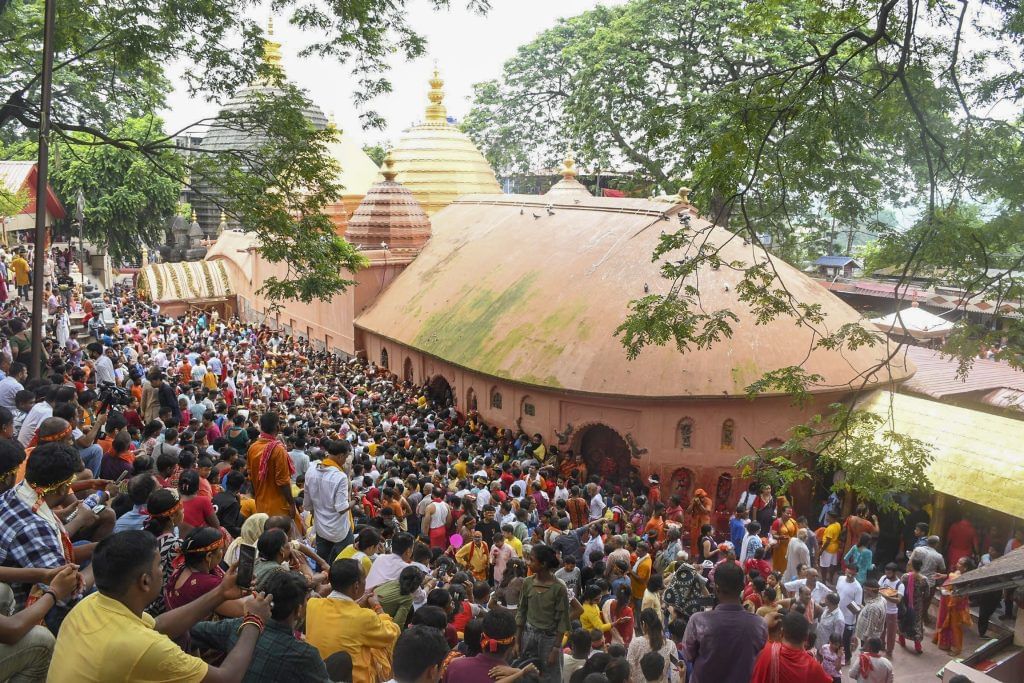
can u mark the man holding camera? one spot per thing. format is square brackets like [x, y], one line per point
[101, 364]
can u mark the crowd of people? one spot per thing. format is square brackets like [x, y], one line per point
[200, 499]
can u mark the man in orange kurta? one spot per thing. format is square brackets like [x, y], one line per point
[270, 470]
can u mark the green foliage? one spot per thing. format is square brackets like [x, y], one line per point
[878, 462]
[12, 203]
[128, 197]
[110, 71]
[376, 153]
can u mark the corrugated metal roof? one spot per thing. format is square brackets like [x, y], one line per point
[936, 375]
[836, 261]
[1003, 572]
[978, 457]
[13, 174]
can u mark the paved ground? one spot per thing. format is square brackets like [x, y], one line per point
[912, 668]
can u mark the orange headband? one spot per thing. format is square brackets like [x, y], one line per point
[206, 548]
[492, 644]
[59, 436]
[165, 513]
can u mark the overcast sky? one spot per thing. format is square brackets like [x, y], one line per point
[469, 48]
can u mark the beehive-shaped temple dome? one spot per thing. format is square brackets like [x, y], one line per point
[389, 214]
[225, 134]
[437, 162]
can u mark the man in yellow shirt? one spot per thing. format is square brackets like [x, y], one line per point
[20, 267]
[351, 620]
[508, 531]
[108, 636]
[829, 558]
[474, 556]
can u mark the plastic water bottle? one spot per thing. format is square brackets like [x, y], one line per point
[95, 499]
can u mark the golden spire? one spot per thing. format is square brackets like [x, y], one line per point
[223, 220]
[331, 123]
[271, 48]
[389, 171]
[194, 218]
[436, 112]
[569, 171]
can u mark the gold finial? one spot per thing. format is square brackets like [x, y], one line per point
[331, 123]
[194, 219]
[271, 48]
[389, 171]
[684, 195]
[223, 219]
[436, 112]
[569, 171]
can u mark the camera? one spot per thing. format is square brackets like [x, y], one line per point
[112, 395]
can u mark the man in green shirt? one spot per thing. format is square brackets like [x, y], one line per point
[542, 619]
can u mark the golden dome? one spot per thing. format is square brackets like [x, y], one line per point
[437, 162]
[568, 186]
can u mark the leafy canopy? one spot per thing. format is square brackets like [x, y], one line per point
[110, 72]
[788, 117]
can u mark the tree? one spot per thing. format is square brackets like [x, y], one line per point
[128, 198]
[780, 115]
[376, 153]
[110, 67]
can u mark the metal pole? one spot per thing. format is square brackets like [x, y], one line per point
[80, 215]
[46, 87]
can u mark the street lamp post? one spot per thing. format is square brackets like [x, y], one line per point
[45, 91]
[80, 218]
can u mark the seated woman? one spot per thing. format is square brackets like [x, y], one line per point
[396, 595]
[199, 573]
[199, 511]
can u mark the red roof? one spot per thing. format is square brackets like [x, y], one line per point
[18, 175]
[936, 375]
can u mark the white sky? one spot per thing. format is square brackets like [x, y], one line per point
[469, 48]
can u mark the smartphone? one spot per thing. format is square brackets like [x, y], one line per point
[246, 562]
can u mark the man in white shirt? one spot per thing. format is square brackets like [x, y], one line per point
[299, 458]
[327, 497]
[11, 385]
[388, 567]
[850, 592]
[891, 582]
[810, 581]
[597, 504]
[102, 365]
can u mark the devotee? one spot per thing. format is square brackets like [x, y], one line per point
[109, 637]
[327, 497]
[270, 470]
[351, 619]
[722, 645]
[542, 618]
[789, 660]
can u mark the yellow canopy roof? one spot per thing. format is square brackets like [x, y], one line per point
[185, 281]
[978, 457]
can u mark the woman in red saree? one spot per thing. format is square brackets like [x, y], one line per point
[199, 573]
[954, 612]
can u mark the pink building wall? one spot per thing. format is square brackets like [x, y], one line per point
[650, 424]
[326, 323]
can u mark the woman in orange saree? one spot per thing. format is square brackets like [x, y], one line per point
[954, 612]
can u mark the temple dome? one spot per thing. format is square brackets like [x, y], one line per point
[390, 214]
[568, 186]
[223, 135]
[438, 162]
[357, 175]
[530, 290]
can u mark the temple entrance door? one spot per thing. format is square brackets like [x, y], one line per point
[605, 452]
[440, 392]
